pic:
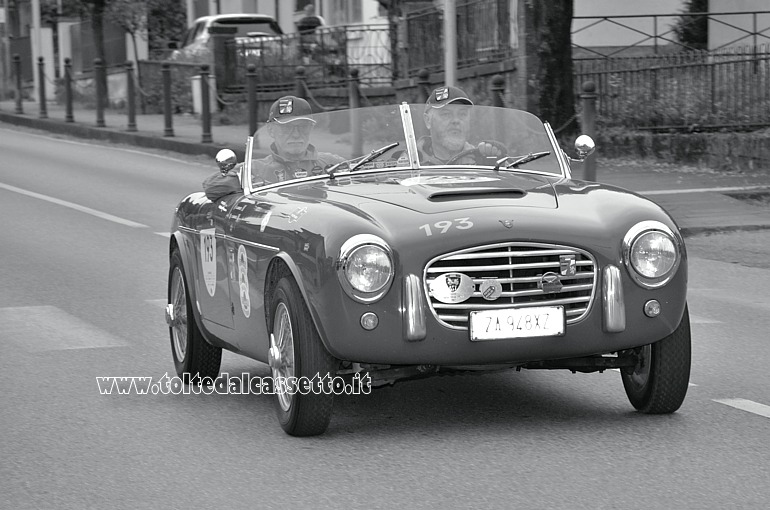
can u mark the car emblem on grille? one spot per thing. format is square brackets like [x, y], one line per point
[491, 289]
[550, 283]
[507, 223]
[452, 288]
[567, 265]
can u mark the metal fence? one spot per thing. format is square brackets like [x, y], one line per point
[483, 36]
[696, 90]
[328, 56]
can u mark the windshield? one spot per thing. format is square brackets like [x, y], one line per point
[481, 137]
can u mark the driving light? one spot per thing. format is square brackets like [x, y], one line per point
[652, 253]
[652, 308]
[369, 321]
[365, 267]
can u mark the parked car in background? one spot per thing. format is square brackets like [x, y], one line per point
[197, 44]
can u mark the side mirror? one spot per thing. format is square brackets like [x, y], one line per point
[585, 146]
[226, 159]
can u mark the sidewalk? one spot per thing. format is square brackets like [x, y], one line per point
[700, 200]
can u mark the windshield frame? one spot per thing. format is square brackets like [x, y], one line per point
[413, 159]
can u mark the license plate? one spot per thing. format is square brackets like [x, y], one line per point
[524, 322]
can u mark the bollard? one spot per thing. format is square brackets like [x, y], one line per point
[251, 79]
[165, 70]
[98, 69]
[355, 115]
[68, 117]
[354, 96]
[41, 89]
[205, 106]
[17, 72]
[423, 85]
[299, 79]
[589, 126]
[498, 91]
[130, 93]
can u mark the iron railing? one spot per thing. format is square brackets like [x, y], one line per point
[697, 90]
[483, 36]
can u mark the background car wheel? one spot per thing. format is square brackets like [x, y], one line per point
[192, 354]
[659, 382]
[296, 351]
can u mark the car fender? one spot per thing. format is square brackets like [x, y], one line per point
[186, 251]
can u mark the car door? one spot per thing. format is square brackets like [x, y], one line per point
[211, 248]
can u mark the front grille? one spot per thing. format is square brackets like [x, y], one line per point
[519, 267]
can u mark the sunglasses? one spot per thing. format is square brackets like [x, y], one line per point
[302, 126]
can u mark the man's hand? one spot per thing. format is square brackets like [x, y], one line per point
[490, 149]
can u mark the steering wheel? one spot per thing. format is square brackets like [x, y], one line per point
[478, 154]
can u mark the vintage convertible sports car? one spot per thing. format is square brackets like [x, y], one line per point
[394, 267]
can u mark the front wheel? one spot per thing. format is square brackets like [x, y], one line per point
[192, 354]
[296, 351]
[659, 381]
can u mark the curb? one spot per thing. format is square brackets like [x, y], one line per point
[116, 136]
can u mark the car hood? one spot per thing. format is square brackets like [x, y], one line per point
[433, 192]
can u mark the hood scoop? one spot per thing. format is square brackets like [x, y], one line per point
[475, 193]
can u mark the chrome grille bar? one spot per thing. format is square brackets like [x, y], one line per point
[520, 268]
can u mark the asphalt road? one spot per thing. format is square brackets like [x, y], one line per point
[83, 266]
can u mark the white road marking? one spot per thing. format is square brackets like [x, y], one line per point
[164, 234]
[47, 328]
[702, 190]
[746, 405]
[697, 319]
[157, 302]
[112, 147]
[76, 207]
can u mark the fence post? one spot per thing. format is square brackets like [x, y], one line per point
[17, 72]
[130, 93]
[205, 106]
[589, 126]
[165, 71]
[251, 80]
[355, 114]
[98, 69]
[68, 117]
[498, 91]
[41, 79]
[299, 88]
[423, 85]
[354, 98]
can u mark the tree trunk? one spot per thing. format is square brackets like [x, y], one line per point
[548, 27]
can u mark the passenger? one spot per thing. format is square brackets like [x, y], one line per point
[292, 156]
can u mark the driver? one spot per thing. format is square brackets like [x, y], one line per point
[292, 156]
[447, 117]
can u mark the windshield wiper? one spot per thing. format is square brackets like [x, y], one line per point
[526, 159]
[376, 153]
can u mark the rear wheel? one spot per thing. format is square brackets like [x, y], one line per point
[191, 353]
[296, 351]
[659, 381]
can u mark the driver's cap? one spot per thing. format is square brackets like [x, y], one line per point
[288, 109]
[443, 96]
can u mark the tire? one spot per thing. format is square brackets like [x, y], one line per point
[659, 382]
[192, 354]
[296, 351]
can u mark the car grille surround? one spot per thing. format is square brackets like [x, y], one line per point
[520, 268]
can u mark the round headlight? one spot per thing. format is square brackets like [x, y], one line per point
[653, 254]
[368, 268]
